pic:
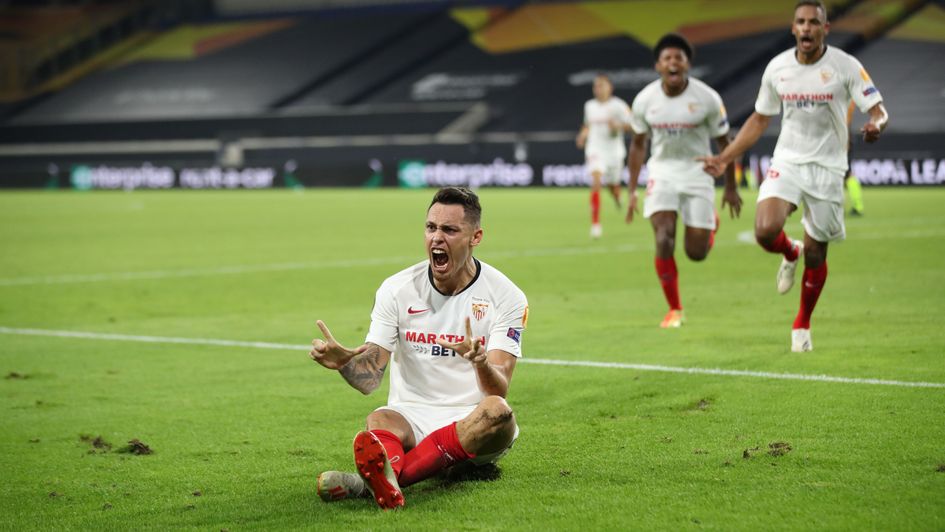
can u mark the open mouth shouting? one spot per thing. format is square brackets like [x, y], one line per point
[439, 260]
[674, 75]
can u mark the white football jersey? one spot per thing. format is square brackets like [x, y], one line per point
[680, 127]
[814, 99]
[410, 314]
[597, 117]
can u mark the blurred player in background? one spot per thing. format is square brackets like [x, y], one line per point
[851, 182]
[606, 119]
[451, 329]
[682, 115]
[813, 84]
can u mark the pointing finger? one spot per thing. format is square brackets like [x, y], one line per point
[443, 343]
[325, 332]
[469, 335]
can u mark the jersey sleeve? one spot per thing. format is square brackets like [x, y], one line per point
[384, 328]
[717, 118]
[768, 102]
[638, 116]
[506, 333]
[862, 90]
[586, 105]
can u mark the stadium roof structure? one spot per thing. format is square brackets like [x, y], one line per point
[430, 74]
[905, 64]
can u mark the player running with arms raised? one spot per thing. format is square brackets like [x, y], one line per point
[450, 327]
[606, 119]
[813, 85]
[682, 115]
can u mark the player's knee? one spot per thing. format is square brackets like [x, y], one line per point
[385, 420]
[765, 234]
[665, 241]
[697, 253]
[496, 413]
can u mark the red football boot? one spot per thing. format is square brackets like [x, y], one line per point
[371, 460]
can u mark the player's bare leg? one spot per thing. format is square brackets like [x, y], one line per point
[393, 422]
[615, 191]
[698, 243]
[815, 276]
[770, 217]
[490, 428]
[596, 229]
[664, 233]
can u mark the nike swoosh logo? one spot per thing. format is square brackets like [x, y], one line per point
[411, 310]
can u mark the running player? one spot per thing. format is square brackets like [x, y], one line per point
[682, 115]
[813, 84]
[851, 182]
[451, 329]
[606, 119]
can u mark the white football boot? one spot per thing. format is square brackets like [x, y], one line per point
[596, 231]
[800, 341]
[337, 485]
[788, 268]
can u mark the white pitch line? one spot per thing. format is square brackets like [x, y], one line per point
[541, 361]
[290, 266]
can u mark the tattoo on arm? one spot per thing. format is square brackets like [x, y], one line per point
[365, 371]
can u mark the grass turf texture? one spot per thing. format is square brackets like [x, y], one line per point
[239, 434]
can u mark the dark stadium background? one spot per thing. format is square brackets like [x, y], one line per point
[257, 94]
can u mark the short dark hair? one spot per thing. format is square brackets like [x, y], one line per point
[460, 196]
[673, 40]
[813, 3]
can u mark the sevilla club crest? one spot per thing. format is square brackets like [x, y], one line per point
[479, 310]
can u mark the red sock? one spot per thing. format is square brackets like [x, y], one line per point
[435, 453]
[782, 244]
[394, 448]
[669, 278]
[814, 280]
[595, 206]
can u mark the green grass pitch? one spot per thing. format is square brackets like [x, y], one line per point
[239, 433]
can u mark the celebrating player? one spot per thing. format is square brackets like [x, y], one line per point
[681, 114]
[451, 329]
[813, 83]
[606, 118]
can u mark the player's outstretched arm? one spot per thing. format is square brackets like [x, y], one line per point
[493, 369]
[876, 124]
[730, 196]
[747, 136]
[635, 163]
[362, 367]
[581, 138]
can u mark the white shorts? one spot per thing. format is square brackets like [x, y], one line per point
[695, 203]
[426, 419]
[609, 165]
[821, 190]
